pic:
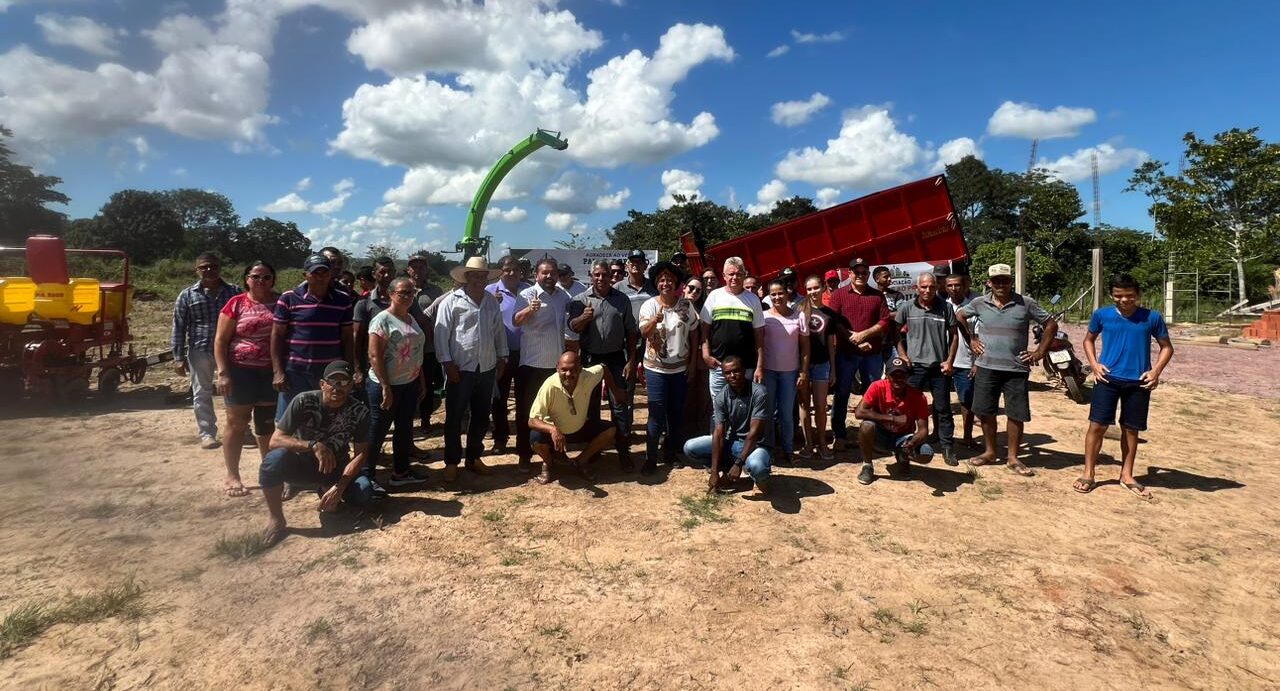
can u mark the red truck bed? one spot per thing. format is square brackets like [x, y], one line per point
[908, 224]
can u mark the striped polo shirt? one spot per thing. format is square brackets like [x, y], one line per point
[315, 325]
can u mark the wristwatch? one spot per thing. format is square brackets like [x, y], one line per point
[311, 445]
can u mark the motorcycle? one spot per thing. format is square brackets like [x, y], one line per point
[1061, 363]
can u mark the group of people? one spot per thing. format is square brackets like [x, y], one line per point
[735, 382]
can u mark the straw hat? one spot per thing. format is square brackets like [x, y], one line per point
[459, 273]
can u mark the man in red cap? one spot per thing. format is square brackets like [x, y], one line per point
[832, 281]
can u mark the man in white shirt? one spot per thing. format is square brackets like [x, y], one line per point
[471, 344]
[541, 317]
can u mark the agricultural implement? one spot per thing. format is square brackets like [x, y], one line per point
[912, 225]
[473, 244]
[57, 334]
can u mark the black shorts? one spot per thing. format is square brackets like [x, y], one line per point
[1133, 401]
[590, 429]
[250, 386]
[989, 384]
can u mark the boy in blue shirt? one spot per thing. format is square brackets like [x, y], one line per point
[1123, 375]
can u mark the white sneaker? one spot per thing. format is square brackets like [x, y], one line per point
[209, 443]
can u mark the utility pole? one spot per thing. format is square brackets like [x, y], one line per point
[1031, 162]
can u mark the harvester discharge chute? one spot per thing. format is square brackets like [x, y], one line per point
[472, 243]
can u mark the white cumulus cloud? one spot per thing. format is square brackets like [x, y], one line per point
[342, 192]
[613, 201]
[1078, 166]
[560, 221]
[792, 113]
[288, 204]
[682, 182]
[1029, 122]
[80, 32]
[827, 197]
[952, 151]
[303, 185]
[513, 215]
[779, 51]
[869, 152]
[768, 195]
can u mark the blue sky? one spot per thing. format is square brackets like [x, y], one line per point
[373, 121]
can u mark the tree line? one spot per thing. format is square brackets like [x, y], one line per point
[1221, 208]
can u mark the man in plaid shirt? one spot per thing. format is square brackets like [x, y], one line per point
[195, 320]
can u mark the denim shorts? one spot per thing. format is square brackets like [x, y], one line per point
[962, 382]
[820, 371]
[1129, 396]
[250, 386]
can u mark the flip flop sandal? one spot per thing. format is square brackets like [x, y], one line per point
[235, 491]
[1083, 485]
[1138, 490]
[1021, 469]
[978, 461]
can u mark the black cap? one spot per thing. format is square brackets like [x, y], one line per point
[788, 272]
[337, 368]
[315, 261]
[859, 261]
[638, 254]
[897, 365]
[679, 256]
[666, 266]
[566, 270]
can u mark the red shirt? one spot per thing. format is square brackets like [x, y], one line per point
[862, 311]
[251, 339]
[880, 398]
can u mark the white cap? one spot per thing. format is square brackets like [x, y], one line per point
[1000, 270]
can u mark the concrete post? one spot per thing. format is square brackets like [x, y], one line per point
[1168, 302]
[1097, 278]
[1019, 269]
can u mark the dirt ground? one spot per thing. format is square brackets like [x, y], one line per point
[946, 580]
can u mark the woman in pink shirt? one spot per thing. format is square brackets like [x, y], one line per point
[786, 364]
[242, 350]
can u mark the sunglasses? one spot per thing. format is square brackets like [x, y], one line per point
[692, 289]
[339, 382]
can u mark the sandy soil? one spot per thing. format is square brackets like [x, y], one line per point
[948, 580]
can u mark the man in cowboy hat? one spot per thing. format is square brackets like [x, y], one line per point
[471, 344]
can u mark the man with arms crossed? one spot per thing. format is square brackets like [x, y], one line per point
[739, 412]
[895, 419]
[929, 348]
[1123, 375]
[1003, 361]
[559, 416]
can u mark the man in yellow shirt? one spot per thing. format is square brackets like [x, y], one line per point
[558, 417]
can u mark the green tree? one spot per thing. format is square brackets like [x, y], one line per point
[439, 264]
[985, 199]
[1049, 209]
[140, 223]
[209, 220]
[23, 199]
[278, 243]
[1044, 276]
[1226, 200]
[661, 229]
[785, 210]
[373, 252]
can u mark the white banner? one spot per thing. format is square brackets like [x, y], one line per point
[581, 260]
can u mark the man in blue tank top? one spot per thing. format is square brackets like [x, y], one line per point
[1124, 376]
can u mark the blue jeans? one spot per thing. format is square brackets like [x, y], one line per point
[889, 442]
[621, 411]
[302, 470]
[869, 367]
[297, 381]
[666, 412]
[782, 398]
[962, 382]
[930, 378]
[715, 384]
[202, 365]
[474, 392]
[404, 404]
[757, 464]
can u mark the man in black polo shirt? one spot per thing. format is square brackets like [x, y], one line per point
[604, 328]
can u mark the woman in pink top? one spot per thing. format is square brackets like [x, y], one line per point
[242, 351]
[786, 364]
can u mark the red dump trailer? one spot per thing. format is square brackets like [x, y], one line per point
[910, 224]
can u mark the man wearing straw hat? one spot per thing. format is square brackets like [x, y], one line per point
[471, 344]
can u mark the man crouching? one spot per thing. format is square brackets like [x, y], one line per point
[740, 411]
[558, 417]
[309, 449]
[895, 419]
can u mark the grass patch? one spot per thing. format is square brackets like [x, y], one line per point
[558, 632]
[24, 624]
[704, 508]
[317, 629]
[493, 516]
[989, 492]
[237, 547]
[880, 541]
